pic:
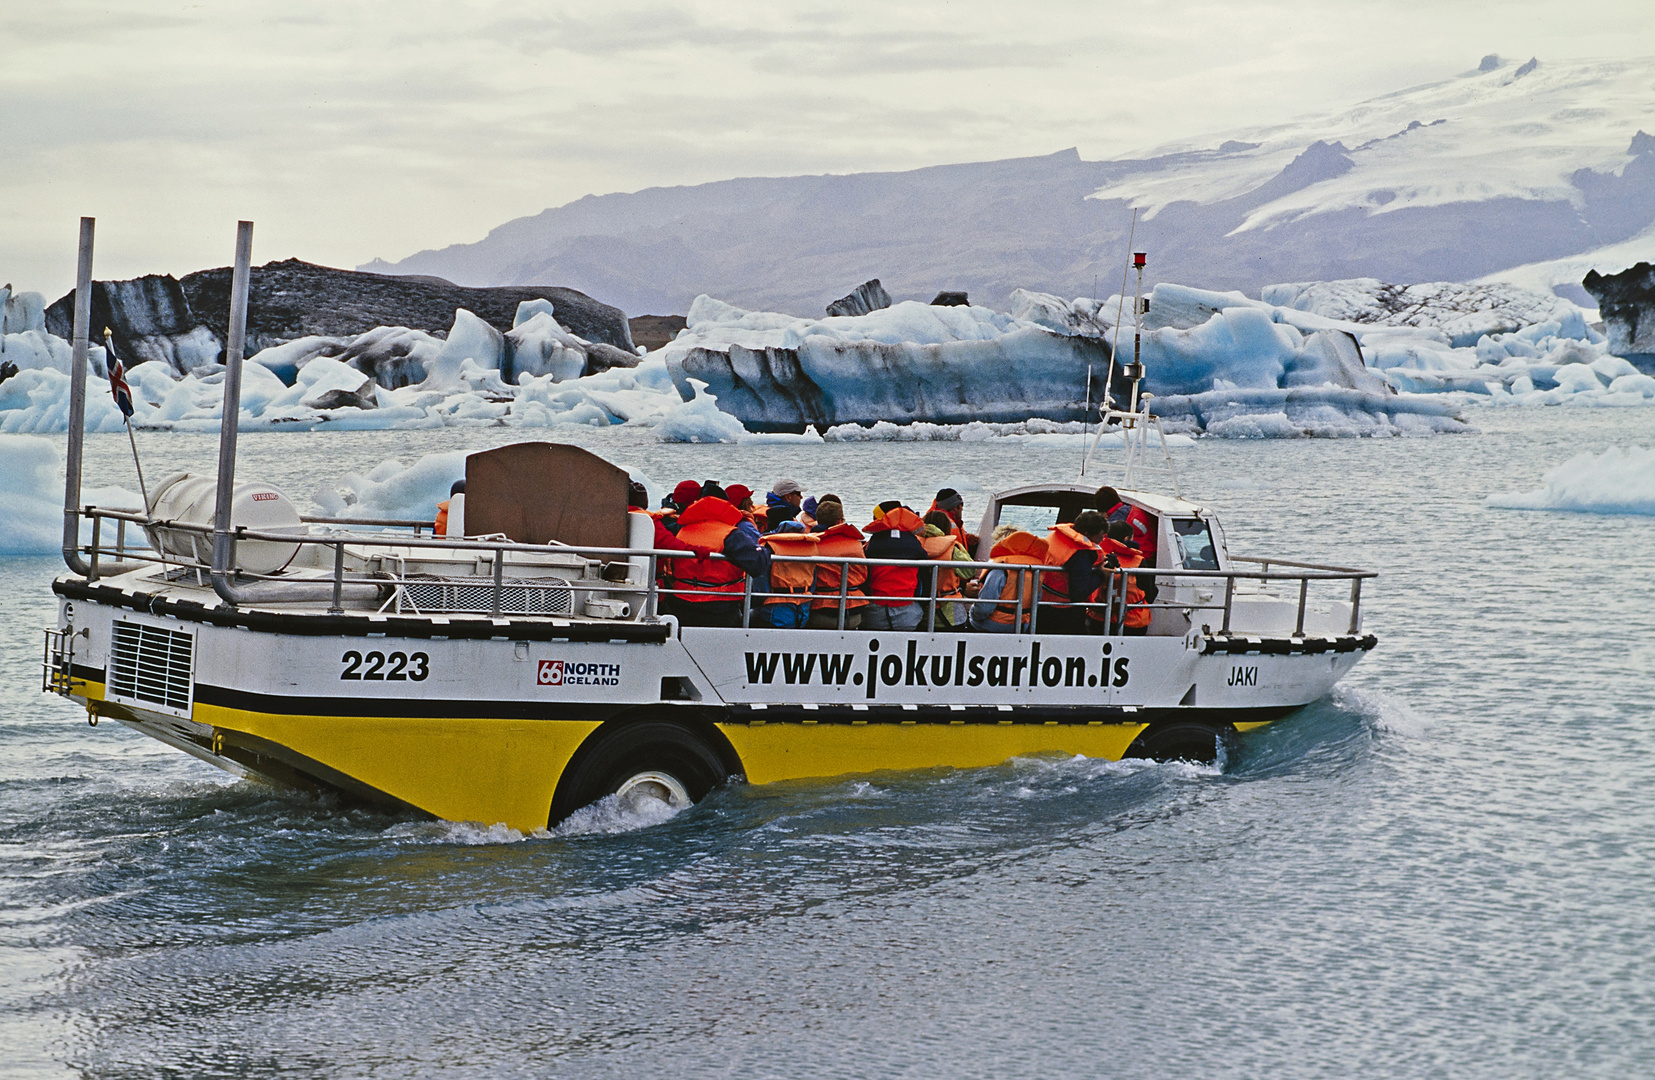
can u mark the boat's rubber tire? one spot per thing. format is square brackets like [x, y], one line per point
[1181, 740]
[654, 755]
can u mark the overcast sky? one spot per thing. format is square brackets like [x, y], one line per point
[348, 129]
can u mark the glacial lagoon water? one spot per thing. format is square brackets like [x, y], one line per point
[1446, 868]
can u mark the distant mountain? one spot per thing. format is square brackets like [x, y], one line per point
[1506, 165]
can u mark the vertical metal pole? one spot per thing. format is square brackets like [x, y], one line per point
[1304, 590]
[499, 579]
[844, 590]
[97, 522]
[1034, 602]
[651, 600]
[338, 606]
[228, 426]
[1109, 604]
[1229, 602]
[77, 402]
[931, 605]
[746, 601]
[120, 539]
[1355, 604]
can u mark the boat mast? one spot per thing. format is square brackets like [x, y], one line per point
[230, 421]
[77, 404]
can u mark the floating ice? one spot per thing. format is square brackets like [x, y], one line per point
[391, 491]
[1218, 363]
[411, 493]
[540, 346]
[1616, 481]
[31, 497]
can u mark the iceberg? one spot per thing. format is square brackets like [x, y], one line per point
[968, 365]
[1616, 481]
[31, 498]
[1218, 363]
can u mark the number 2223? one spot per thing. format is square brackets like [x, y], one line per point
[398, 667]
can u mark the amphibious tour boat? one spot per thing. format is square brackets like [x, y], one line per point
[518, 667]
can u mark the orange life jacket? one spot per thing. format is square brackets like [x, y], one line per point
[706, 522]
[1128, 558]
[792, 578]
[941, 549]
[843, 541]
[1020, 548]
[894, 586]
[1061, 544]
[441, 527]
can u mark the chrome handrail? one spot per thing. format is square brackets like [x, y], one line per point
[338, 585]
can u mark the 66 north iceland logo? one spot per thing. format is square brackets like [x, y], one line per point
[578, 673]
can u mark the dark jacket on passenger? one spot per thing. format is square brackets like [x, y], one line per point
[1085, 576]
[743, 548]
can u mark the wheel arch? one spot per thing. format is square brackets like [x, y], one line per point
[1182, 738]
[701, 723]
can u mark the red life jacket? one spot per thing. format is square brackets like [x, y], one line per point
[706, 522]
[894, 586]
[1023, 549]
[1143, 530]
[441, 526]
[1061, 545]
[843, 541]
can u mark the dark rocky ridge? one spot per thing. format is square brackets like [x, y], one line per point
[1627, 302]
[653, 331]
[183, 322]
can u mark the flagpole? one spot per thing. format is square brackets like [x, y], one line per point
[109, 358]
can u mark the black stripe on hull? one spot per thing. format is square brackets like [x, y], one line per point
[472, 708]
[1075, 715]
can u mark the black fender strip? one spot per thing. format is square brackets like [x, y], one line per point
[1243, 646]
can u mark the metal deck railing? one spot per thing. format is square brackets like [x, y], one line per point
[643, 575]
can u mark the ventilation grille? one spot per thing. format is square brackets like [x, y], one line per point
[516, 597]
[153, 665]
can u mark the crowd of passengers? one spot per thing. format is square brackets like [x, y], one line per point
[1086, 560]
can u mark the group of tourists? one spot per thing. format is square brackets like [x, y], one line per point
[1083, 563]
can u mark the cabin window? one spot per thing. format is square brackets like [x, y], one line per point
[1195, 544]
[1033, 519]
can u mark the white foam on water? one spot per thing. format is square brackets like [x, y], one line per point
[1617, 481]
[464, 833]
[1387, 711]
[612, 814]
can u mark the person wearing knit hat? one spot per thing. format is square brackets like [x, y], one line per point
[685, 493]
[949, 501]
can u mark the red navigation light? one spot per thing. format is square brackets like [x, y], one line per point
[1138, 258]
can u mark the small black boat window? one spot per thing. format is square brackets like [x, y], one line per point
[1195, 544]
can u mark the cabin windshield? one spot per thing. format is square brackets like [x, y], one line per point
[1034, 519]
[1195, 544]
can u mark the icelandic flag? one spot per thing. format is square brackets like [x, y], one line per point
[117, 377]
